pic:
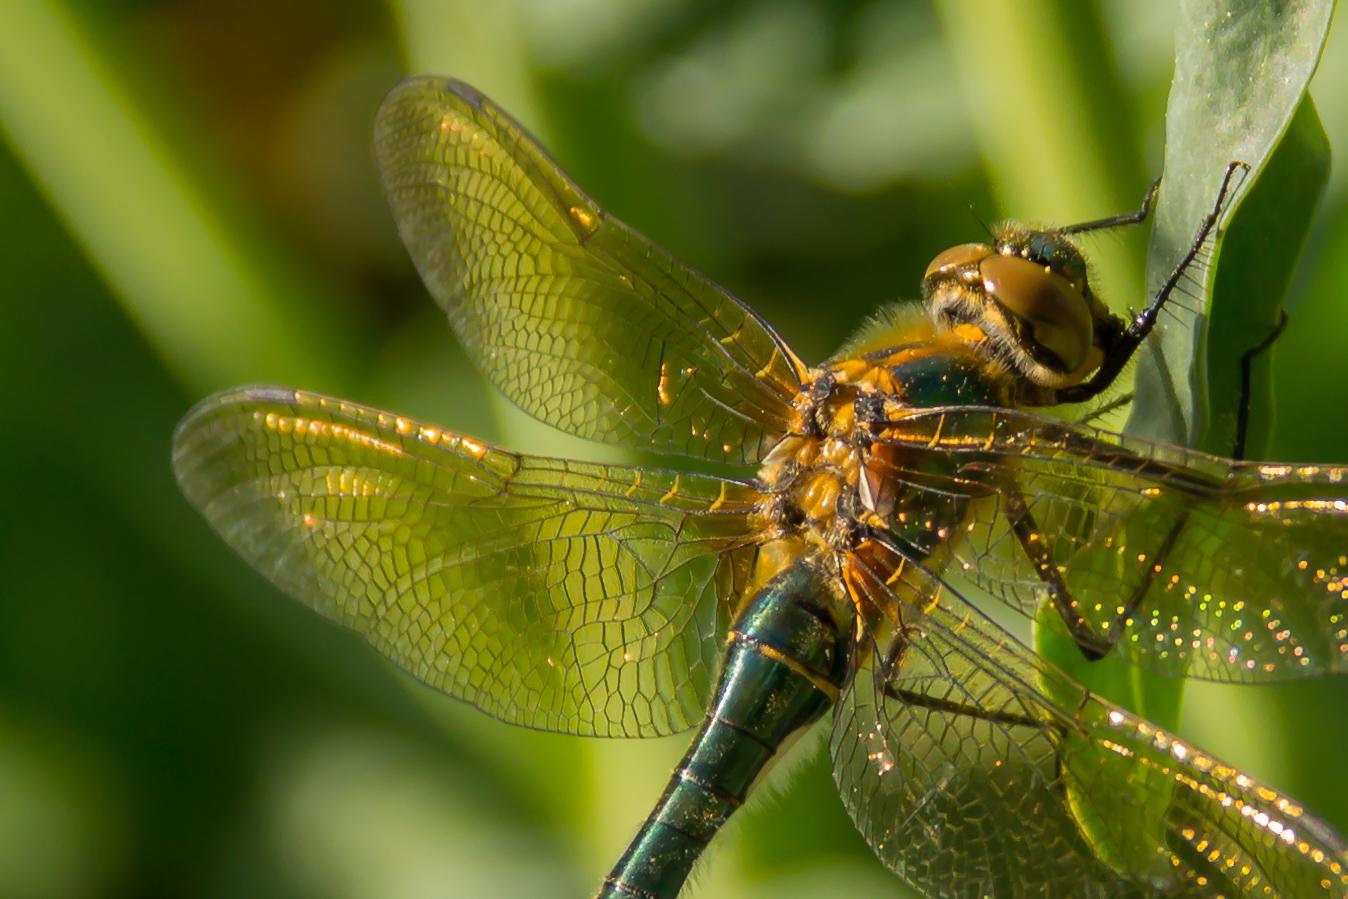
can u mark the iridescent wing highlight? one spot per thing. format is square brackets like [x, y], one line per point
[579, 320]
[560, 595]
[1191, 564]
[975, 768]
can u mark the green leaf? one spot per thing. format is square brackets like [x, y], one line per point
[1241, 71]
[1139, 807]
[1259, 255]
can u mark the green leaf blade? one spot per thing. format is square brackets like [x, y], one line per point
[1259, 256]
[1241, 71]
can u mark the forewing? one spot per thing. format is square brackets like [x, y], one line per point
[1196, 565]
[578, 319]
[967, 779]
[566, 596]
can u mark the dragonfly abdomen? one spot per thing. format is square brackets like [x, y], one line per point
[785, 663]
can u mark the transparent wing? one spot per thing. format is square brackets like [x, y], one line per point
[581, 321]
[1191, 564]
[588, 599]
[975, 768]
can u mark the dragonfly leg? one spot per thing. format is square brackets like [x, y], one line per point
[1120, 345]
[1093, 645]
[1246, 384]
[1135, 217]
[1149, 577]
[895, 658]
[1116, 403]
[950, 707]
[1036, 548]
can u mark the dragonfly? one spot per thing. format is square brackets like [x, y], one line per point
[614, 600]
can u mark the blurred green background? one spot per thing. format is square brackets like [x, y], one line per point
[188, 201]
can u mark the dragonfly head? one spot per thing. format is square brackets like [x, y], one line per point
[1024, 300]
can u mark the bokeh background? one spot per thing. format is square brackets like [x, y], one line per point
[188, 201]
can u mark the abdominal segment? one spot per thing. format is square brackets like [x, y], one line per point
[786, 662]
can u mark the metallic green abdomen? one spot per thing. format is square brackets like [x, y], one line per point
[785, 663]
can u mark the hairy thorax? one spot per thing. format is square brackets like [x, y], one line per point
[833, 484]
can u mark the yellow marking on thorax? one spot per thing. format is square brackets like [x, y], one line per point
[845, 421]
[820, 495]
[636, 484]
[720, 500]
[908, 354]
[859, 373]
[850, 371]
[808, 453]
[884, 381]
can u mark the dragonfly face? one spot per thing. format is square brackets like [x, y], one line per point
[623, 601]
[1024, 300]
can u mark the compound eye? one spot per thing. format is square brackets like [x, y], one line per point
[958, 257]
[1056, 311]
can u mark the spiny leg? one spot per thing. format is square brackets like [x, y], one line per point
[950, 707]
[1116, 403]
[894, 659]
[1093, 645]
[1136, 217]
[1246, 384]
[1036, 549]
[1123, 344]
[1157, 563]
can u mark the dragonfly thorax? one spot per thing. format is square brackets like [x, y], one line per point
[841, 489]
[1025, 303]
[810, 483]
[833, 480]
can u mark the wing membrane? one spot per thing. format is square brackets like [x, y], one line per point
[1231, 571]
[566, 596]
[975, 768]
[581, 321]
